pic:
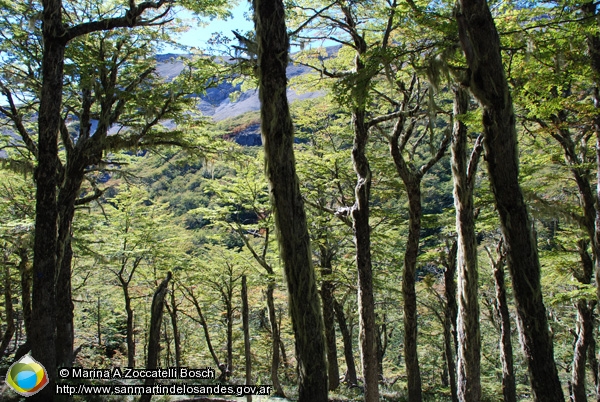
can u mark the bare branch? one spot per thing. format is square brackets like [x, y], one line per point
[440, 153]
[14, 115]
[309, 20]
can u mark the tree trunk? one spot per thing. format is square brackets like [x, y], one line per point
[176, 337]
[593, 44]
[509, 390]
[409, 294]
[204, 325]
[481, 44]
[68, 193]
[411, 177]
[156, 312]
[350, 377]
[382, 344]
[450, 318]
[246, 329]
[276, 340]
[362, 239]
[10, 313]
[229, 318]
[585, 327]
[290, 218]
[43, 315]
[592, 360]
[130, 339]
[327, 287]
[469, 338]
[65, 333]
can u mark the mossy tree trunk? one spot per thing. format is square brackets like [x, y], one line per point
[463, 174]
[43, 315]
[481, 44]
[56, 34]
[450, 318]
[509, 390]
[290, 218]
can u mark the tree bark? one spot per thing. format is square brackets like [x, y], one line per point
[46, 268]
[509, 390]
[593, 44]
[481, 44]
[290, 218]
[43, 314]
[327, 288]
[585, 327]
[412, 178]
[229, 319]
[174, 324]
[67, 195]
[350, 377]
[469, 337]
[65, 332]
[450, 318]
[413, 374]
[276, 340]
[156, 312]
[125, 280]
[362, 239]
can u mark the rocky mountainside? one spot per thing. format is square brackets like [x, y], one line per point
[218, 103]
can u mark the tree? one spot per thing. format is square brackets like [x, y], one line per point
[56, 34]
[158, 301]
[246, 329]
[463, 173]
[108, 82]
[134, 237]
[506, 354]
[16, 236]
[290, 219]
[245, 212]
[558, 112]
[51, 50]
[487, 81]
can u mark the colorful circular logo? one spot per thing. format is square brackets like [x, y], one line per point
[26, 376]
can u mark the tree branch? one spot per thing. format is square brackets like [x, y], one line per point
[14, 115]
[130, 19]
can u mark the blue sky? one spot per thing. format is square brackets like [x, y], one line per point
[198, 36]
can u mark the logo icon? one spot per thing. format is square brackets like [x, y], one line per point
[27, 376]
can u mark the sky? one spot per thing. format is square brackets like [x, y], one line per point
[198, 36]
